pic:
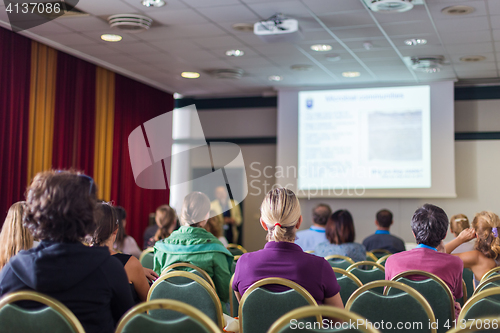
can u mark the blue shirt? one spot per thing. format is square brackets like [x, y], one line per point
[310, 238]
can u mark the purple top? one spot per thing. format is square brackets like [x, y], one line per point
[286, 260]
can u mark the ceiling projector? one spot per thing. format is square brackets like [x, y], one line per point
[278, 29]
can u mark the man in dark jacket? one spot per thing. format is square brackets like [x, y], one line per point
[382, 239]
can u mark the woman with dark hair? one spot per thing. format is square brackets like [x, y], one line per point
[340, 234]
[60, 209]
[125, 243]
[107, 221]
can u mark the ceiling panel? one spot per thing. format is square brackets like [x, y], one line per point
[410, 28]
[418, 13]
[463, 24]
[211, 3]
[493, 7]
[435, 9]
[226, 41]
[294, 9]
[171, 5]
[234, 14]
[466, 36]
[107, 7]
[347, 19]
[178, 17]
[89, 23]
[476, 74]
[471, 48]
[134, 48]
[333, 6]
[73, 39]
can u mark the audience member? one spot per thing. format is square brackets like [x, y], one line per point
[88, 280]
[459, 223]
[340, 237]
[429, 225]
[229, 213]
[14, 236]
[193, 244]
[125, 243]
[310, 238]
[281, 218]
[107, 220]
[214, 227]
[382, 239]
[166, 220]
[485, 254]
[150, 231]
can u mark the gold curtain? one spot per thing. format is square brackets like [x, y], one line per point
[105, 117]
[42, 98]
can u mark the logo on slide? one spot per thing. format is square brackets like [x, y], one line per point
[165, 150]
[309, 103]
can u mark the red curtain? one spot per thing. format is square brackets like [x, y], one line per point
[74, 114]
[135, 103]
[15, 66]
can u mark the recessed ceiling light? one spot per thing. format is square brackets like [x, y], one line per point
[301, 68]
[153, 3]
[390, 6]
[458, 10]
[190, 75]
[332, 57]
[321, 47]
[244, 27]
[234, 53]
[178, 96]
[275, 78]
[473, 58]
[415, 41]
[351, 74]
[111, 38]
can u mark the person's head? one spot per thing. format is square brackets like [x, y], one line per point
[195, 210]
[221, 193]
[384, 218]
[14, 236]
[166, 219]
[321, 213]
[60, 206]
[214, 225]
[458, 223]
[486, 225]
[429, 225]
[122, 218]
[280, 215]
[340, 227]
[107, 221]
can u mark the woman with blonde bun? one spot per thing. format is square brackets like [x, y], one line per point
[458, 223]
[281, 218]
[193, 244]
[485, 256]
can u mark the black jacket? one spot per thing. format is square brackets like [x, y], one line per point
[88, 280]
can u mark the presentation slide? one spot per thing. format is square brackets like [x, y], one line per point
[372, 138]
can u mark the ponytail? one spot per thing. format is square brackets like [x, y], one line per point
[486, 225]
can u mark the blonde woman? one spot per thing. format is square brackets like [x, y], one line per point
[281, 218]
[166, 220]
[485, 256]
[193, 244]
[458, 223]
[14, 236]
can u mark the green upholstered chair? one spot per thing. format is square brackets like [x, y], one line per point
[491, 272]
[383, 259]
[233, 301]
[368, 275]
[147, 258]
[468, 277]
[371, 257]
[339, 261]
[435, 291]
[52, 317]
[482, 304]
[260, 308]
[285, 324]
[491, 282]
[184, 266]
[236, 250]
[348, 283]
[198, 293]
[465, 296]
[379, 253]
[409, 307]
[191, 320]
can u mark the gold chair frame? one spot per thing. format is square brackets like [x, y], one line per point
[338, 256]
[490, 272]
[309, 251]
[196, 268]
[323, 310]
[231, 293]
[366, 263]
[398, 285]
[464, 291]
[382, 259]
[382, 251]
[433, 277]
[349, 275]
[371, 255]
[168, 304]
[45, 300]
[283, 282]
[484, 282]
[236, 246]
[475, 298]
[196, 278]
[236, 257]
[145, 252]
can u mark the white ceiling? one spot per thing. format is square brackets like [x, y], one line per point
[193, 35]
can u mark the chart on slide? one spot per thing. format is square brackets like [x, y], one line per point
[373, 138]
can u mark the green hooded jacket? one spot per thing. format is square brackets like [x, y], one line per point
[200, 248]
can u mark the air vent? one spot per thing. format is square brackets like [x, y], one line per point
[431, 64]
[390, 6]
[244, 27]
[130, 22]
[473, 58]
[301, 68]
[227, 73]
[458, 10]
[67, 10]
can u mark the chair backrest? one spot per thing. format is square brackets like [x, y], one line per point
[465, 295]
[233, 301]
[368, 275]
[371, 257]
[286, 323]
[484, 303]
[309, 251]
[260, 308]
[434, 290]
[189, 268]
[493, 271]
[348, 283]
[379, 253]
[409, 309]
[236, 250]
[197, 293]
[491, 282]
[339, 261]
[55, 317]
[383, 259]
[192, 320]
[147, 258]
